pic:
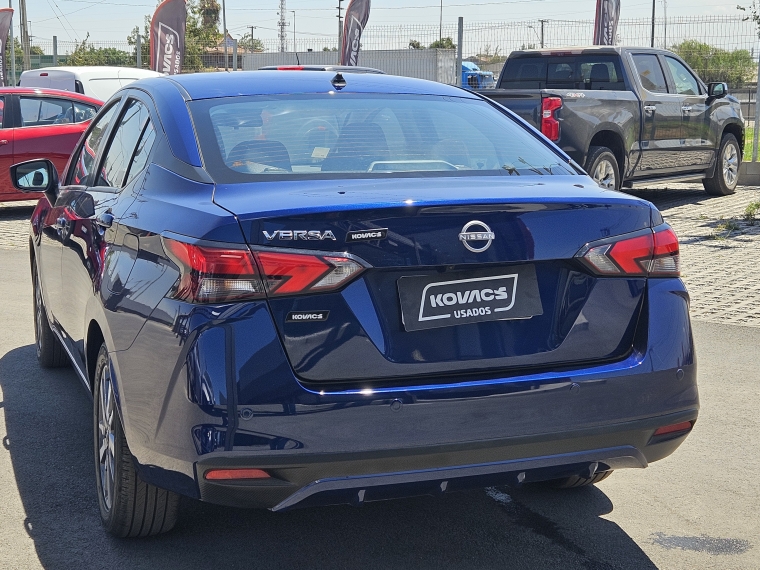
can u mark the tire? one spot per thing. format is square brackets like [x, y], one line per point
[50, 353]
[726, 175]
[602, 166]
[129, 507]
[575, 481]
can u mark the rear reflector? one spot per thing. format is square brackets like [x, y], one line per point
[219, 275]
[683, 426]
[235, 474]
[646, 253]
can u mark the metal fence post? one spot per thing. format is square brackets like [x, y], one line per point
[757, 95]
[234, 55]
[138, 51]
[13, 49]
[460, 38]
[55, 51]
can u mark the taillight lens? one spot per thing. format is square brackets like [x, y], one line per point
[217, 275]
[293, 273]
[649, 253]
[214, 275]
[549, 122]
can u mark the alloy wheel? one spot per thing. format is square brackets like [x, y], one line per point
[106, 437]
[604, 175]
[730, 165]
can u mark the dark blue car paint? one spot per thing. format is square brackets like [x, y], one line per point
[202, 385]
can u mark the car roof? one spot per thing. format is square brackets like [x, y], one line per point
[579, 50]
[50, 92]
[241, 83]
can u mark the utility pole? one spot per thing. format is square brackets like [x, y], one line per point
[665, 20]
[653, 6]
[440, 25]
[294, 30]
[224, 25]
[252, 28]
[282, 25]
[340, 27]
[13, 49]
[25, 45]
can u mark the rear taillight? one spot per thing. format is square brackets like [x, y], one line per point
[214, 275]
[294, 273]
[549, 122]
[218, 275]
[646, 253]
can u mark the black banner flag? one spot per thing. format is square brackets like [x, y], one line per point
[357, 15]
[167, 37]
[6, 18]
[605, 26]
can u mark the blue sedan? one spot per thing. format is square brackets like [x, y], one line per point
[298, 288]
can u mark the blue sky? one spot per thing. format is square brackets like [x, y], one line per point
[112, 20]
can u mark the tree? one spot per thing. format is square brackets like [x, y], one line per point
[88, 54]
[144, 41]
[715, 64]
[415, 44]
[445, 43]
[249, 43]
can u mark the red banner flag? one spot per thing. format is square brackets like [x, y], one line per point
[167, 37]
[605, 26]
[357, 15]
[6, 18]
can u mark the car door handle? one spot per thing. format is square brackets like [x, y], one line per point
[686, 108]
[650, 109]
[3, 141]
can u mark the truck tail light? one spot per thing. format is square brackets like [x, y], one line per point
[219, 275]
[648, 253]
[549, 122]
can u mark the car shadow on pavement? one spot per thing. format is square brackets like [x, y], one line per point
[48, 421]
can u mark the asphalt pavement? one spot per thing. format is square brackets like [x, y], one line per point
[698, 509]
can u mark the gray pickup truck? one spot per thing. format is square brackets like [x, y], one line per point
[628, 115]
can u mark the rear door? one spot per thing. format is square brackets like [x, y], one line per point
[698, 138]
[661, 138]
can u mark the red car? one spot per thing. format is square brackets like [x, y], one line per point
[39, 123]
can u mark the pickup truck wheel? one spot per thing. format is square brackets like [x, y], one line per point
[726, 175]
[602, 166]
[128, 505]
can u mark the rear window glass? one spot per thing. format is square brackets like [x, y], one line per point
[601, 72]
[369, 135]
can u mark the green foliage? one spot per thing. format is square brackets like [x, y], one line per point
[415, 44]
[329, 49]
[87, 54]
[144, 41]
[751, 212]
[445, 43]
[249, 43]
[715, 64]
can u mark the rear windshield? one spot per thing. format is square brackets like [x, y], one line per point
[564, 72]
[340, 135]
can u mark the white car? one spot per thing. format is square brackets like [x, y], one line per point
[95, 81]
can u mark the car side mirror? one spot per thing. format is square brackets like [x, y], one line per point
[717, 90]
[38, 175]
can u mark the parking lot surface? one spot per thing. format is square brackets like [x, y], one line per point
[697, 509]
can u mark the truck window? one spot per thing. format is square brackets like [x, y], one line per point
[600, 72]
[685, 82]
[650, 73]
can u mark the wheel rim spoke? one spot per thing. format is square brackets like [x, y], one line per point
[106, 436]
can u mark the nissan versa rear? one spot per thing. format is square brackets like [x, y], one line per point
[289, 289]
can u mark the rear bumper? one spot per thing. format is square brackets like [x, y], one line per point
[316, 480]
[347, 446]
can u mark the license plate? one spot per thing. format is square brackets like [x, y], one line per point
[459, 298]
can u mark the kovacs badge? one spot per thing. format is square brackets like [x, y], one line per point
[476, 232]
